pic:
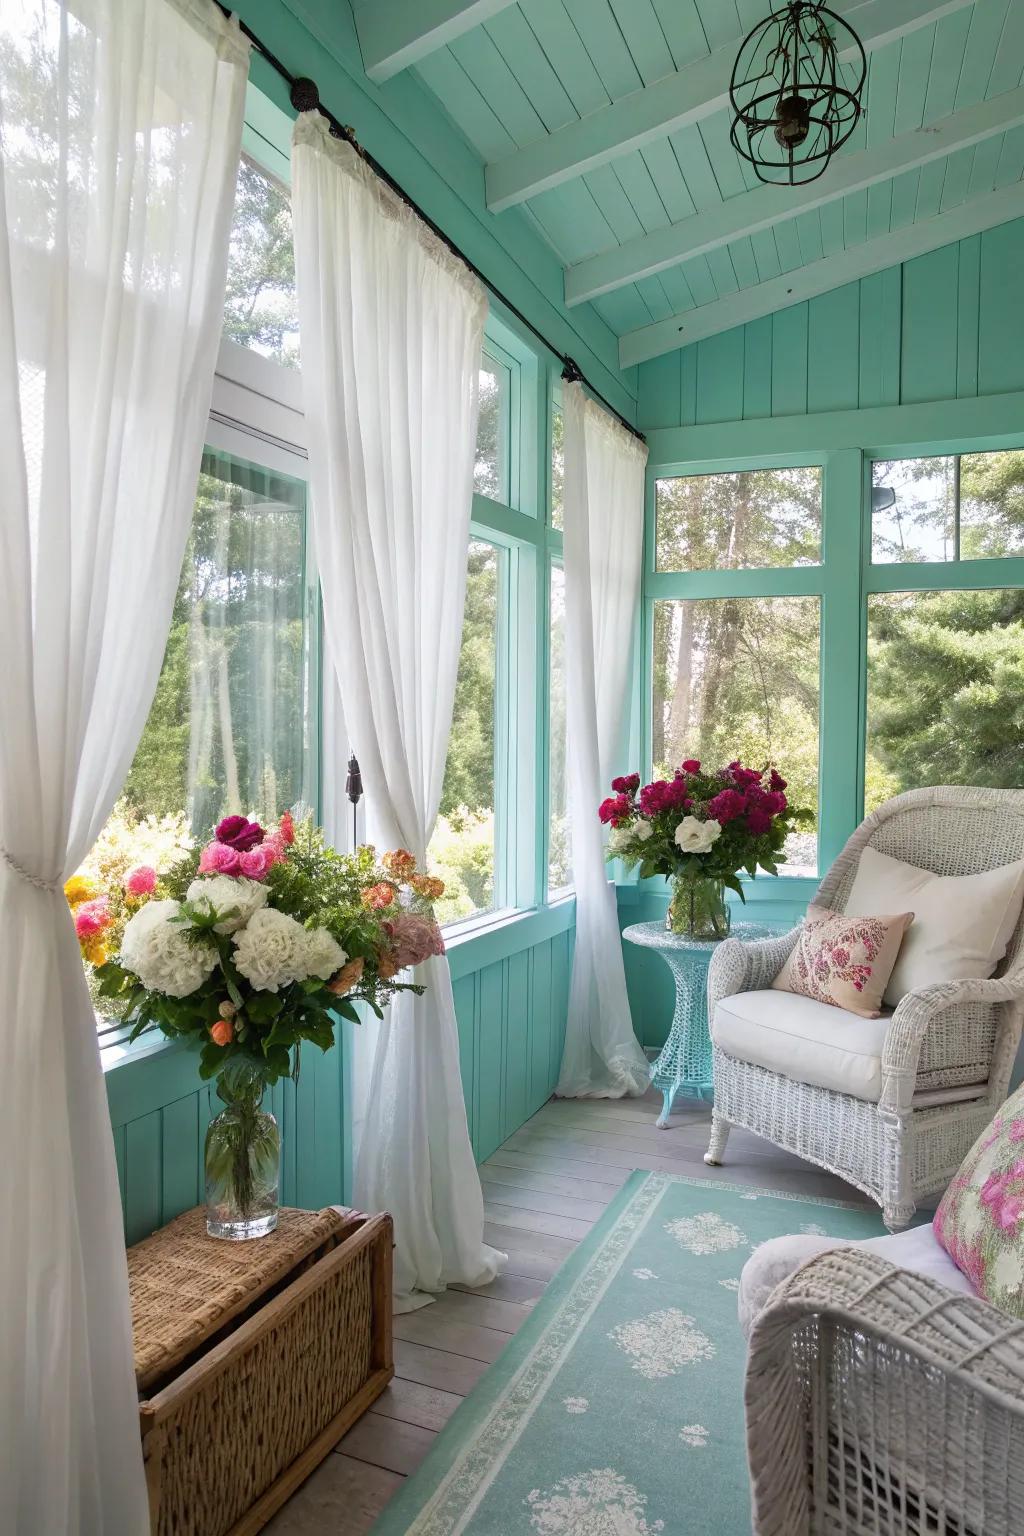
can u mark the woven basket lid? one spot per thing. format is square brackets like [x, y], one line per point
[186, 1285]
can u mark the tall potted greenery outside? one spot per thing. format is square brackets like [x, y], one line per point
[245, 948]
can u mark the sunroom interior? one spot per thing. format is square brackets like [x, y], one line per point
[512, 767]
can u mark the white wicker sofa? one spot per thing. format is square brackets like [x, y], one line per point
[880, 1402]
[896, 1113]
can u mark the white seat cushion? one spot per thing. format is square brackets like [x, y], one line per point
[772, 1262]
[807, 1041]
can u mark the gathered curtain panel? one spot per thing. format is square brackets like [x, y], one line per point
[603, 501]
[391, 327]
[120, 133]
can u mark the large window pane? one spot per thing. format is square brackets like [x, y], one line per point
[966, 507]
[991, 505]
[749, 519]
[738, 678]
[229, 727]
[945, 691]
[913, 507]
[462, 849]
[559, 836]
[260, 309]
[490, 472]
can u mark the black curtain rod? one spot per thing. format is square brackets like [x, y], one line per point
[305, 97]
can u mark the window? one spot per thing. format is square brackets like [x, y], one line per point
[750, 519]
[961, 721]
[557, 459]
[260, 309]
[491, 471]
[229, 727]
[739, 677]
[559, 831]
[954, 507]
[463, 848]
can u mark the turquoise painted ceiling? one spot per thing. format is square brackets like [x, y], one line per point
[604, 120]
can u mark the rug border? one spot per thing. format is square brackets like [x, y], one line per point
[420, 1484]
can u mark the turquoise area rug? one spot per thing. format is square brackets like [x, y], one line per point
[617, 1409]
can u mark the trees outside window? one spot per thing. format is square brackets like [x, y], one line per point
[260, 306]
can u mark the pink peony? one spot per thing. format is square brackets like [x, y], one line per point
[615, 809]
[218, 859]
[140, 881]
[414, 938]
[691, 765]
[663, 795]
[743, 777]
[275, 848]
[240, 833]
[726, 806]
[627, 784]
[92, 917]
[255, 863]
[758, 821]
[776, 783]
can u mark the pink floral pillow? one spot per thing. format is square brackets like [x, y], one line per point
[980, 1219]
[845, 961]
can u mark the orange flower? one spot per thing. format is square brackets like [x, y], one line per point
[79, 889]
[428, 886]
[223, 1032]
[95, 952]
[348, 977]
[401, 863]
[386, 967]
[380, 895]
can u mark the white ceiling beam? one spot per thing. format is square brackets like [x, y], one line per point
[821, 276]
[691, 94]
[396, 33]
[764, 206]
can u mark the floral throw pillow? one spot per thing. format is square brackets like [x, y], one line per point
[845, 961]
[980, 1219]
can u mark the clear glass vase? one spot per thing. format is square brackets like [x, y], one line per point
[243, 1158]
[698, 909]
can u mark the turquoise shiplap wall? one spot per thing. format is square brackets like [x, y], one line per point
[511, 1014]
[945, 326]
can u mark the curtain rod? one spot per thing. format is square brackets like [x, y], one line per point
[305, 97]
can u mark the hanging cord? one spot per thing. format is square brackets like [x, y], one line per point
[305, 97]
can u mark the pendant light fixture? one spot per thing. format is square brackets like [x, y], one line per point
[795, 92]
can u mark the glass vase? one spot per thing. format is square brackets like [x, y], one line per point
[243, 1158]
[698, 909]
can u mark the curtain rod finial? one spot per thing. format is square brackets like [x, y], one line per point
[304, 95]
[571, 373]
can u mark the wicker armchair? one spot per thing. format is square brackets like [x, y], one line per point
[878, 1402]
[948, 1049]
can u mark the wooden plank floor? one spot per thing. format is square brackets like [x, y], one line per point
[543, 1191]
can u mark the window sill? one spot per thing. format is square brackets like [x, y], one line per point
[486, 941]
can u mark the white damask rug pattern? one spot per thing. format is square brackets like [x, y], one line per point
[617, 1409]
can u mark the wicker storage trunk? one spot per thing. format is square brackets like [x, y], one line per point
[253, 1359]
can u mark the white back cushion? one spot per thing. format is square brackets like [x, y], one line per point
[962, 923]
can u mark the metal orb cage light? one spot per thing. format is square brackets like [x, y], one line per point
[795, 92]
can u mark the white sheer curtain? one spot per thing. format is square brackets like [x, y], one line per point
[119, 142]
[604, 520]
[392, 327]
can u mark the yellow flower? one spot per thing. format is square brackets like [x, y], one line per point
[95, 953]
[79, 889]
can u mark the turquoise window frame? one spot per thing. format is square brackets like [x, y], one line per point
[844, 443]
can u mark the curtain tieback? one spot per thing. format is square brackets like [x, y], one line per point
[26, 874]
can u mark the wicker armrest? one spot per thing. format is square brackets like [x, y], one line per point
[918, 1011]
[741, 967]
[864, 1376]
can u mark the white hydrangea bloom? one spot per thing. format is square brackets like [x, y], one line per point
[642, 831]
[324, 955]
[619, 839]
[225, 893]
[157, 951]
[271, 950]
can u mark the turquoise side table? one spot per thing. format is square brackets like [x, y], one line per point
[684, 1065]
